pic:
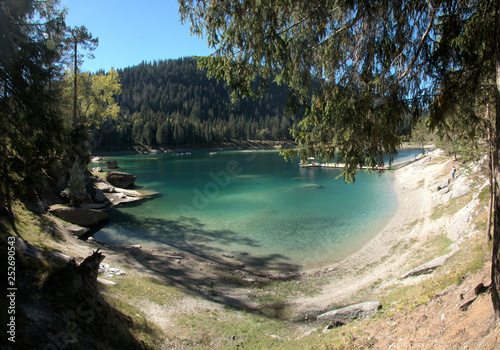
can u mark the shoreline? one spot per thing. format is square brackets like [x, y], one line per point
[250, 145]
[391, 252]
[218, 278]
[367, 245]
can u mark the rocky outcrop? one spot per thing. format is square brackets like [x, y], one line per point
[349, 313]
[443, 185]
[120, 179]
[428, 267]
[461, 187]
[80, 217]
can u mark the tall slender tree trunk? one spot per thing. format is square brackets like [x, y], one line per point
[75, 85]
[491, 172]
[495, 259]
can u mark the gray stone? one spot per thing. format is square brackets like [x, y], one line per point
[428, 267]
[99, 196]
[104, 187]
[112, 164]
[105, 281]
[78, 231]
[109, 271]
[443, 185]
[120, 179]
[349, 313]
[36, 206]
[97, 169]
[461, 187]
[26, 248]
[57, 255]
[80, 217]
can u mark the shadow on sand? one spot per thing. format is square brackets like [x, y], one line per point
[190, 259]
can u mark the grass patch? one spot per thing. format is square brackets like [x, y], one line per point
[273, 296]
[469, 259]
[233, 329]
[137, 288]
[34, 228]
[434, 247]
[484, 196]
[451, 207]
[148, 332]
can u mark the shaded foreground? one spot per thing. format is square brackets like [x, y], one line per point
[176, 300]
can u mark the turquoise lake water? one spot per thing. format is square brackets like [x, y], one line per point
[255, 206]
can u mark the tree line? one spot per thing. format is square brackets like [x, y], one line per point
[171, 103]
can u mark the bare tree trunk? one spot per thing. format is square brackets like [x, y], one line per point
[491, 171]
[495, 258]
[75, 92]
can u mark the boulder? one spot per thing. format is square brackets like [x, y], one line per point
[349, 313]
[104, 187]
[78, 231]
[80, 217]
[120, 179]
[461, 187]
[112, 164]
[428, 267]
[99, 196]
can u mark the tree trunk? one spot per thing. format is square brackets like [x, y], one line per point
[491, 171]
[75, 85]
[495, 258]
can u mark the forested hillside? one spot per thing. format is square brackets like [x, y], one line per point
[172, 103]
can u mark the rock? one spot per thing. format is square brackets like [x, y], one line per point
[349, 313]
[28, 249]
[92, 206]
[36, 206]
[106, 282]
[461, 187]
[57, 255]
[80, 217]
[120, 198]
[97, 169]
[444, 184]
[120, 179]
[99, 196]
[112, 164]
[428, 267]
[78, 231]
[104, 187]
[96, 159]
[108, 271]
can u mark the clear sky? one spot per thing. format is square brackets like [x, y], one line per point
[131, 31]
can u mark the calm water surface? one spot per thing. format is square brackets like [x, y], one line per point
[267, 213]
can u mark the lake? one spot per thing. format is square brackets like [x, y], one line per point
[268, 213]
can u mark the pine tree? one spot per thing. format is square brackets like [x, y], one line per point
[360, 69]
[31, 130]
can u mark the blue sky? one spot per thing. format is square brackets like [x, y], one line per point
[131, 31]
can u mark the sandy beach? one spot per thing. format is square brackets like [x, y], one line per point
[390, 253]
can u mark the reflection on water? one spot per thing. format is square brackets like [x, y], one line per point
[278, 214]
